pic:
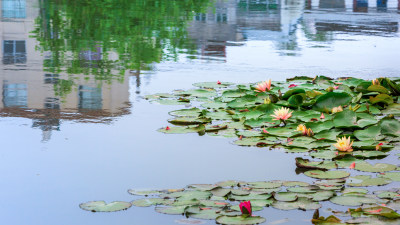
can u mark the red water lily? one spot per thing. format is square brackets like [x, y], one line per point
[245, 208]
[167, 128]
[353, 165]
[292, 85]
[218, 82]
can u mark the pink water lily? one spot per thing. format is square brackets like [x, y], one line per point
[292, 85]
[218, 82]
[322, 116]
[263, 86]
[167, 128]
[282, 114]
[265, 131]
[353, 165]
[245, 208]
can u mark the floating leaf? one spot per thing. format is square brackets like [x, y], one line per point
[378, 167]
[151, 201]
[349, 200]
[332, 99]
[192, 112]
[265, 184]
[381, 98]
[394, 176]
[240, 220]
[189, 120]
[327, 174]
[101, 206]
[285, 196]
[173, 210]
[215, 84]
[371, 133]
[305, 163]
[390, 127]
[301, 203]
[364, 180]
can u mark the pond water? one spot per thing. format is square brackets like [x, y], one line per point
[75, 126]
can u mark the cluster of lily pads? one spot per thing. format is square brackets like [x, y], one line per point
[220, 201]
[339, 123]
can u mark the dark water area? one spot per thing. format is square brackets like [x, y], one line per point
[73, 121]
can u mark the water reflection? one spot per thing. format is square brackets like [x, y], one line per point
[76, 65]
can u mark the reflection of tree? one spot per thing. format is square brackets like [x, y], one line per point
[102, 37]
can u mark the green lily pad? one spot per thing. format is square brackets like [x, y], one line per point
[212, 84]
[390, 127]
[364, 180]
[345, 119]
[189, 120]
[192, 112]
[146, 202]
[324, 154]
[335, 174]
[369, 154]
[301, 203]
[188, 195]
[328, 134]
[394, 176]
[332, 99]
[295, 183]
[200, 93]
[254, 208]
[350, 190]
[265, 184]
[306, 189]
[381, 98]
[349, 200]
[285, 196]
[240, 220]
[261, 202]
[143, 192]
[181, 129]
[389, 195]
[371, 133]
[378, 167]
[305, 163]
[317, 127]
[170, 102]
[172, 210]
[251, 196]
[214, 105]
[220, 192]
[393, 109]
[322, 195]
[102, 206]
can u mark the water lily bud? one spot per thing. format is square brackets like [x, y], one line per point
[167, 128]
[329, 89]
[353, 165]
[378, 147]
[218, 82]
[376, 82]
[245, 208]
[322, 116]
[310, 133]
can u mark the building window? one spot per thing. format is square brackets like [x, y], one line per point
[52, 103]
[15, 95]
[90, 97]
[201, 17]
[14, 52]
[13, 8]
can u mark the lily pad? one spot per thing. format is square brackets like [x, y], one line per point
[102, 206]
[172, 210]
[301, 203]
[285, 196]
[305, 163]
[332, 99]
[189, 120]
[192, 112]
[335, 174]
[146, 202]
[364, 180]
[265, 184]
[240, 220]
[371, 133]
[212, 84]
[378, 167]
[394, 176]
[349, 200]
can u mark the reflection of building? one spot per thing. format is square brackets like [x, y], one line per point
[279, 21]
[32, 93]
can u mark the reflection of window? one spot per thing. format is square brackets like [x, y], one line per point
[52, 103]
[90, 97]
[13, 8]
[15, 95]
[221, 17]
[201, 17]
[51, 78]
[14, 52]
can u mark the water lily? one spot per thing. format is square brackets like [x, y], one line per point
[302, 128]
[167, 128]
[376, 82]
[263, 86]
[218, 82]
[292, 85]
[335, 87]
[282, 114]
[245, 208]
[309, 132]
[344, 145]
[353, 165]
[265, 131]
[322, 116]
[337, 109]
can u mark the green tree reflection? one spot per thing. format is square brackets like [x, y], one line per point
[104, 38]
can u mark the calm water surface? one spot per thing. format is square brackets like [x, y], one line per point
[74, 124]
